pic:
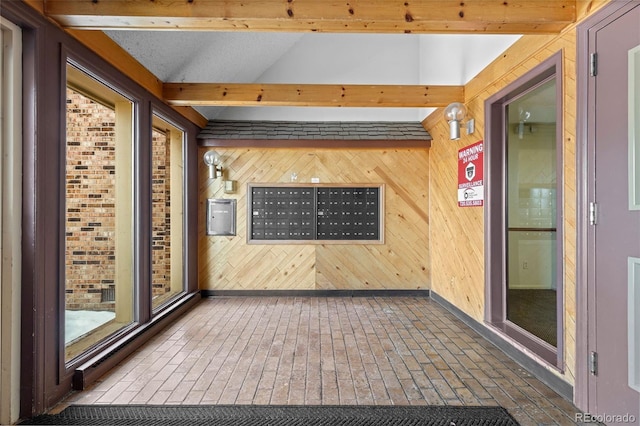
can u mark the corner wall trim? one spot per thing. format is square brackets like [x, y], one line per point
[315, 293]
[563, 388]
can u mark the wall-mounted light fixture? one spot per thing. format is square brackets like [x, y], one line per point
[454, 113]
[214, 161]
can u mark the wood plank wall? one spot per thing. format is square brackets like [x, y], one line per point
[457, 234]
[402, 262]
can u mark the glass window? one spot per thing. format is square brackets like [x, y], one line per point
[167, 217]
[531, 212]
[99, 296]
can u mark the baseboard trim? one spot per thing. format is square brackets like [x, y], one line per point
[563, 388]
[315, 293]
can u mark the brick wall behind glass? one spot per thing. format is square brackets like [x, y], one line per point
[161, 211]
[90, 204]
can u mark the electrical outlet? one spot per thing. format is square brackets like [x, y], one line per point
[525, 265]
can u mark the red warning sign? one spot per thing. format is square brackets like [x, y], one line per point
[471, 176]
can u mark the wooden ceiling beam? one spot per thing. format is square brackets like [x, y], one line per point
[310, 95]
[379, 16]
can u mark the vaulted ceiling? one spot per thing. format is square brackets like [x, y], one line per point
[375, 60]
[315, 71]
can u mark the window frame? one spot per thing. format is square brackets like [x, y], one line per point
[157, 115]
[90, 72]
[88, 365]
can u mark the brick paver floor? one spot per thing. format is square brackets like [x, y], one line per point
[364, 350]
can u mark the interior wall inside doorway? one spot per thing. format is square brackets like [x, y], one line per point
[10, 219]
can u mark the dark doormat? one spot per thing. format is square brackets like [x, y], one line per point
[270, 415]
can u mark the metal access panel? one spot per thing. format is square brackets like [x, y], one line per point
[318, 214]
[282, 213]
[348, 213]
[221, 216]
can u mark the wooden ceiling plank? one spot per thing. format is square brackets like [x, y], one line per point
[382, 16]
[317, 95]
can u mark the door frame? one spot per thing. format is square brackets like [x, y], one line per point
[585, 191]
[495, 212]
[10, 218]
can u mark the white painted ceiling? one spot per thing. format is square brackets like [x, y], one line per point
[312, 58]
